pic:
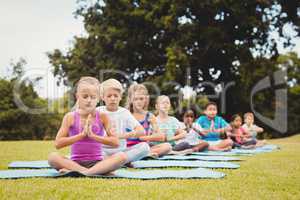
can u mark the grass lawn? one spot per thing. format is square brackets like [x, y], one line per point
[273, 176]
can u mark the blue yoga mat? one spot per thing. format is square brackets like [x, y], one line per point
[138, 164]
[263, 149]
[121, 173]
[220, 153]
[239, 152]
[183, 163]
[197, 157]
[38, 164]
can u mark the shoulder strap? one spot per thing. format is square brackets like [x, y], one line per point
[76, 122]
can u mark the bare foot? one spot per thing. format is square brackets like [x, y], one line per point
[109, 174]
[63, 170]
[227, 148]
[183, 152]
[153, 155]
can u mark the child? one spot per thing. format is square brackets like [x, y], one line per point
[83, 130]
[211, 127]
[188, 119]
[137, 103]
[253, 129]
[123, 121]
[168, 125]
[191, 143]
[239, 135]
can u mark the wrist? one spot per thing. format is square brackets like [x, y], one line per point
[81, 135]
[165, 138]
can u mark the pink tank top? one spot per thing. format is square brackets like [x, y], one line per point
[86, 149]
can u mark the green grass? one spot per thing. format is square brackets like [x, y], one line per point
[273, 176]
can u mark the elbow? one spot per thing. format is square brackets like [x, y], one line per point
[57, 145]
[116, 143]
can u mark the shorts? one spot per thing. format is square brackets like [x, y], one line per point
[182, 146]
[87, 163]
[249, 142]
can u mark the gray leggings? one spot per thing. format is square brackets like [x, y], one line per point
[196, 148]
[134, 153]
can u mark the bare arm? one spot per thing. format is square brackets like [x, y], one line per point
[62, 139]
[223, 130]
[136, 133]
[180, 134]
[259, 129]
[111, 139]
[156, 135]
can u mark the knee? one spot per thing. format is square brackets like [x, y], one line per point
[167, 146]
[229, 142]
[122, 156]
[144, 147]
[205, 145]
[53, 157]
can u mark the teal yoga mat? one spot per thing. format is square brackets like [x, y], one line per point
[263, 149]
[37, 164]
[239, 152]
[121, 173]
[220, 153]
[183, 163]
[138, 164]
[198, 157]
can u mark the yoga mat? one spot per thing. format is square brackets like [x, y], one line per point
[183, 163]
[137, 164]
[263, 149]
[239, 152]
[197, 157]
[221, 153]
[37, 164]
[121, 173]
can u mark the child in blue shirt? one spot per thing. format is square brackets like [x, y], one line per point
[212, 126]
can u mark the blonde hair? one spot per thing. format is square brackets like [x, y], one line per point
[111, 84]
[159, 98]
[89, 80]
[132, 90]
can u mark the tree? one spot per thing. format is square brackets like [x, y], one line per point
[265, 101]
[166, 37]
[16, 124]
[177, 43]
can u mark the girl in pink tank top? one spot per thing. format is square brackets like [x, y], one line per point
[86, 149]
[83, 130]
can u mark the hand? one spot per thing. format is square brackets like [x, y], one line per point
[205, 131]
[113, 129]
[91, 134]
[86, 128]
[122, 136]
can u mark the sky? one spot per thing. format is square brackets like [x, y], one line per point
[30, 28]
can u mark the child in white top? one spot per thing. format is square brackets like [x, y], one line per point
[122, 121]
[252, 129]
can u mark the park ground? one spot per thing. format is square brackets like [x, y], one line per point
[274, 175]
